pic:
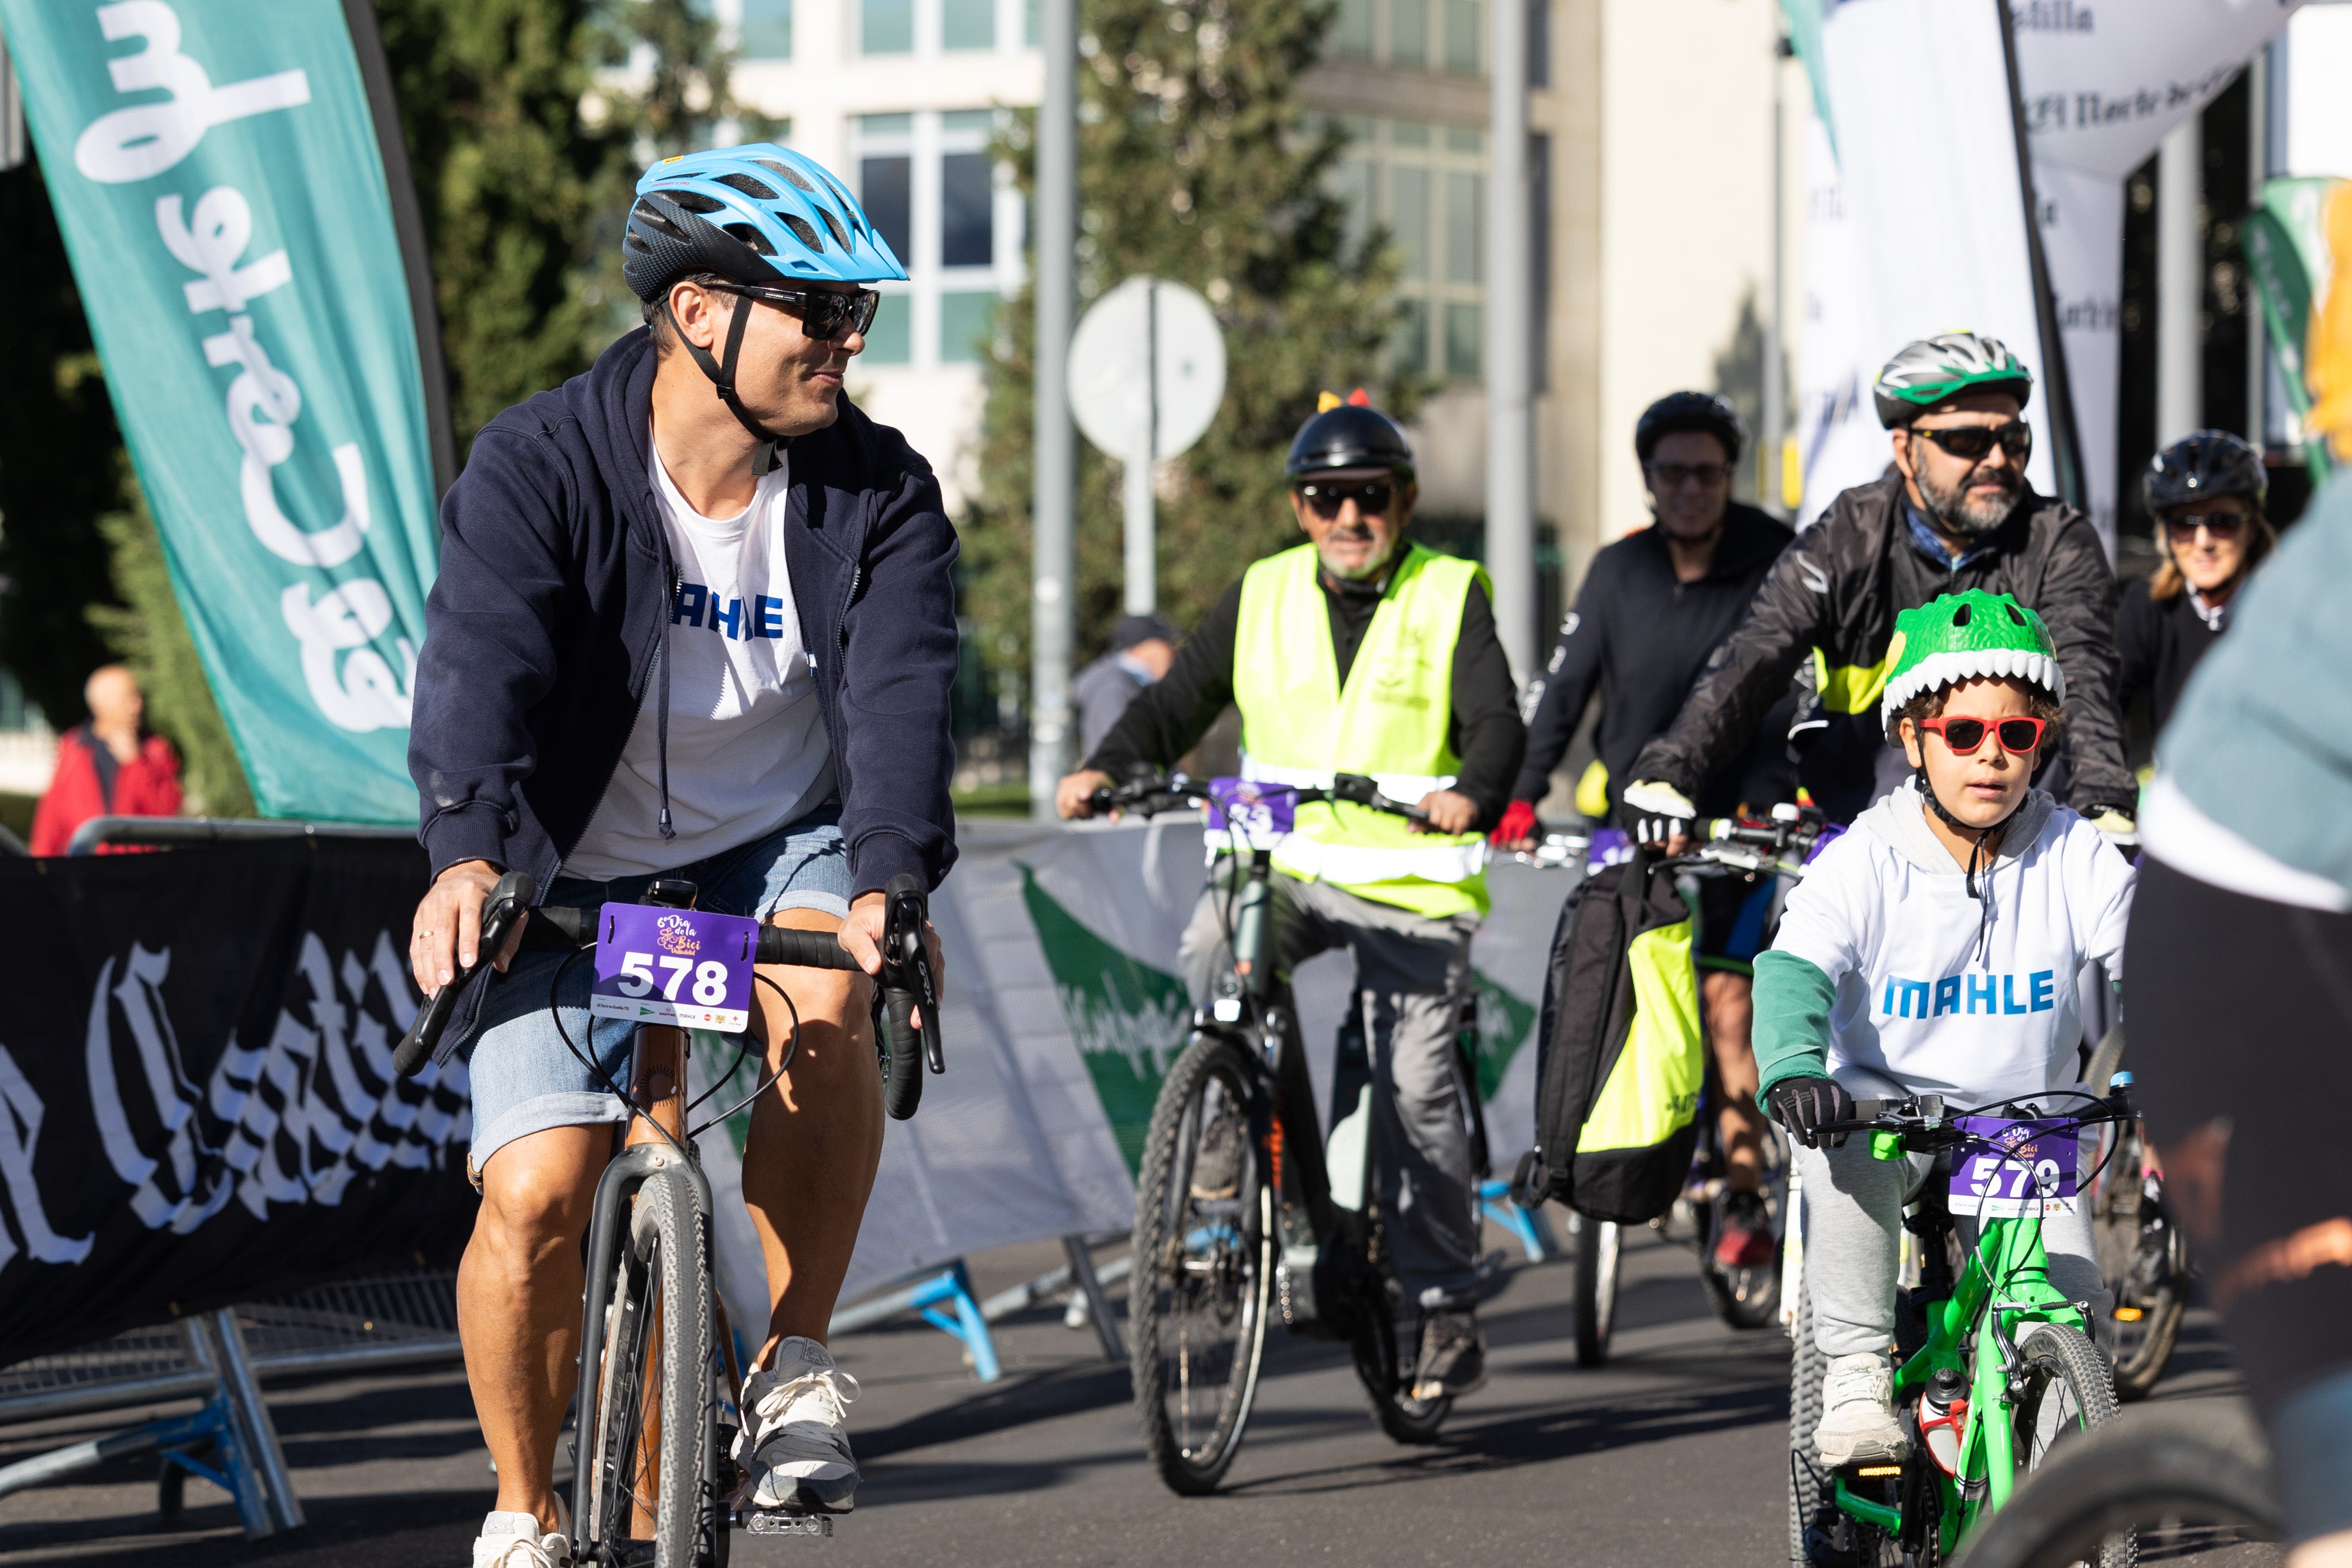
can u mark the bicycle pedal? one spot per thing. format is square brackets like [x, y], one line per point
[778, 1521]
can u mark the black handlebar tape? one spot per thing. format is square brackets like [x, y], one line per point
[802, 949]
[905, 985]
[507, 902]
[904, 1091]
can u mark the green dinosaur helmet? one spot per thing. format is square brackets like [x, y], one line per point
[1963, 636]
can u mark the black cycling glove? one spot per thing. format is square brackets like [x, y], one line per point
[1801, 1104]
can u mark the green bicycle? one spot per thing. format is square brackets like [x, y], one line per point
[1999, 1368]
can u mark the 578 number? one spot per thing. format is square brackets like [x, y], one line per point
[637, 977]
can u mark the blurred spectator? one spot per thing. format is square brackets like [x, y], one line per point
[110, 766]
[1141, 648]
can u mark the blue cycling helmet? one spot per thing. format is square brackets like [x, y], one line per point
[759, 214]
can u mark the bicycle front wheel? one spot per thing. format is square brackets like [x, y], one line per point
[1203, 1266]
[651, 1445]
[1598, 1244]
[2063, 1390]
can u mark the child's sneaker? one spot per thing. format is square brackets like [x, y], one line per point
[1858, 1421]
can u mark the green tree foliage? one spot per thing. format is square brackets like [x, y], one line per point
[57, 456]
[1196, 164]
[149, 633]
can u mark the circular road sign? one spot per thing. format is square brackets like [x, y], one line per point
[1147, 335]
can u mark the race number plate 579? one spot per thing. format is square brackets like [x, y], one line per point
[2030, 1171]
[683, 967]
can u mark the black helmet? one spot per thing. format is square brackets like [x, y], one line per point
[2201, 466]
[1351, 434]
[1689, 410]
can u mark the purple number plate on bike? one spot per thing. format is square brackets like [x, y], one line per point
[1259, 812]
[683, 967]
[2034, 1178]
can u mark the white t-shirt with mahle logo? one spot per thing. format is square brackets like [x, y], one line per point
[1929, 997]
[748, 751]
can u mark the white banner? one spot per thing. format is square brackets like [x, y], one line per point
[1063, 1011]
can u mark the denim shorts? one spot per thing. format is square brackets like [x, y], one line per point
[526, 1081]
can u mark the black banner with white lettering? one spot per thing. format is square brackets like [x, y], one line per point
[197, 1105]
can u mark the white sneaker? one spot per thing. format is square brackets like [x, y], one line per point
[1858, 1422]
[513, 1541]
[796, 1432]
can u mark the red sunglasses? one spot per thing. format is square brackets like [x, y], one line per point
[1966, 737]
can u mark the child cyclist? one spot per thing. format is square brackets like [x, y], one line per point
[1933, 950]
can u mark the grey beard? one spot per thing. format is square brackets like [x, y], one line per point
[1962, 518]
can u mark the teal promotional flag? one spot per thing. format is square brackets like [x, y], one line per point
[215, 171]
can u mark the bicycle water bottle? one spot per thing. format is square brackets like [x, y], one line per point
[1943, 1418]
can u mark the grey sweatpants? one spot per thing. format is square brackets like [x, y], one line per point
[1417, 969]
[1854, 1230]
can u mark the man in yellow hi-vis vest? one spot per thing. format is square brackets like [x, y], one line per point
[1361, 652]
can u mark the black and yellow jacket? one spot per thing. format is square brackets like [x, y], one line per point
[1833, 597]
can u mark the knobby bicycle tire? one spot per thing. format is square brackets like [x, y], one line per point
[1805, 1372]
[2059, 1362]
[657, 1359]
[1599, 1257]
[1197, 1245]
[2182, 1478]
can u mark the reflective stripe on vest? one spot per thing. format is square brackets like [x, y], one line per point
[1299, 725]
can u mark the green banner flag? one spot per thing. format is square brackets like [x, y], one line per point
[216, 174]
[2286, 251]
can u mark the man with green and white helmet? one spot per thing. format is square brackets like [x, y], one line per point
[1933, 950]
[1953, 512]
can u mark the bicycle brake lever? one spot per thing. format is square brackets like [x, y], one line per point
[904, 950]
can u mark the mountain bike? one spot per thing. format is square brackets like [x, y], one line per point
[655, 1482]
[2001, 1369]
[2143, 1250]
[1243, 1212]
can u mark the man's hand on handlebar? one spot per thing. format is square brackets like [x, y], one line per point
[1450, 811]
[868, 922]
[1074, 796]
[447, 934]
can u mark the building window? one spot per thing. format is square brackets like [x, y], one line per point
[886, 178]
[968, 24]
[890, 341]
[1421, 34]
[1464, 27]
[1351, 30]
[1425, 186]
[885, 26]
[1463, 329]
[966, 319]
[925, 180]
[966, 211]
[1409, 32]
[767, 29]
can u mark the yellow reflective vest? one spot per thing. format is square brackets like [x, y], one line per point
[1300, 726]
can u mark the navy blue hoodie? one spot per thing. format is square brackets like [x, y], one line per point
[544, 627]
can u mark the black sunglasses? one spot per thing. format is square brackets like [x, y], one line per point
[2220, 524]
[1372, 499]
[823, 312]
[1973, 441]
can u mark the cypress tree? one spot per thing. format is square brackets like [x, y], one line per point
[1196, 164]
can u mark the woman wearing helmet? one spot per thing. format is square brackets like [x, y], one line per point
[644, 660]
[1933, 950]
[2205, 496]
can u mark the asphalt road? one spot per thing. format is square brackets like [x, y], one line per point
[1674, 1453]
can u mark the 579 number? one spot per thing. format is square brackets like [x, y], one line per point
[637, 978]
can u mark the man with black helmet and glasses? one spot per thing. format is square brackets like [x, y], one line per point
[1953, 512]
[1653, 607]
[2204, 493]
[1360, 652]
[694, 620]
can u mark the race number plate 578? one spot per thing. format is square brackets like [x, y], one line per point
[683, 967]
[2029, 1174]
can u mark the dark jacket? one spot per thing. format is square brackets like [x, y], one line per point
[2160, 645]
[1837, 590]
[1639, 637]
[1168, 719]
[554, 596]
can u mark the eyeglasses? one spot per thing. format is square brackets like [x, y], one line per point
[823, 312]
[1966, 737]
[1675, 475]
[1973, 441]
[2220, 524]
[1373, 499]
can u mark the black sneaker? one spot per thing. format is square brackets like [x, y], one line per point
[1453, 1359]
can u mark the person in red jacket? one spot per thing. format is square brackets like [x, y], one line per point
[111, 766]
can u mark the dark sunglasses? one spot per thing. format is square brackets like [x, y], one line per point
[823, 312]
[2220, 524]
[1373, 499]
[1973, 441]
[1966, 737]
[1675, 475]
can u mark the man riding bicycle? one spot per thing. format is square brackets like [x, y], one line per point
[1654, 607]
[1954, 513]
[1360, 652]
[708, 637]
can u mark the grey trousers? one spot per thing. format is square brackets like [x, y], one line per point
[1416, 970]
[1853, 1228]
